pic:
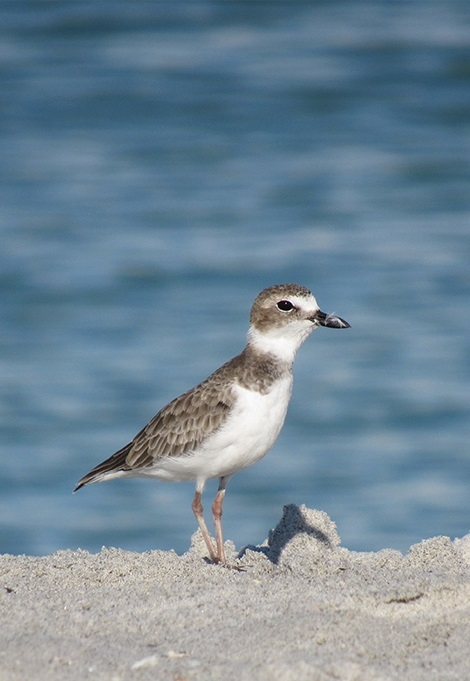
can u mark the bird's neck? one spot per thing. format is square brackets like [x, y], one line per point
[275, 343]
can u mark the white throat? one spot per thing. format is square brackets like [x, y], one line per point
[281, 342]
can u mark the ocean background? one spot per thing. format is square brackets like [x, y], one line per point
[161, 163]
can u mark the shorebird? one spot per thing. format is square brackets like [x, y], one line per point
[231, 420]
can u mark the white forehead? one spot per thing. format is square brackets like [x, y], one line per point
[304, 301]
[308, 302]
[265, 310]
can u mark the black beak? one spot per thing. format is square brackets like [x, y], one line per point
[329, 320]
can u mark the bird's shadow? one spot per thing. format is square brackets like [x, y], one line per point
[292, 523]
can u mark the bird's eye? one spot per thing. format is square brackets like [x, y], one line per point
[285, 305]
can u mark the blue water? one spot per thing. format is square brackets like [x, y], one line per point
[161, 163]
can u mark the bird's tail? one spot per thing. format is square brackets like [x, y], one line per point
[108, 469]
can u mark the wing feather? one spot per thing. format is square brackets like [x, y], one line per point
[181, 426]
[177, 429]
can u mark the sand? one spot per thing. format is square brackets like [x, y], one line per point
[298, 608]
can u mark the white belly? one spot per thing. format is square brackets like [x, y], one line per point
[249, 433]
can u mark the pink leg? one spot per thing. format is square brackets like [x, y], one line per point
[217, 516]
[198, 512]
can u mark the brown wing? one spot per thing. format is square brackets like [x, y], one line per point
[176, 430]
[180, 426]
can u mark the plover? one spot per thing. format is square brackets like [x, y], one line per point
[231, 420]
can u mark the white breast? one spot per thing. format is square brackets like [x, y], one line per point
[250, 431]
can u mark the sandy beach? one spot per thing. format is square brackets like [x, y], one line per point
[299, 607]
